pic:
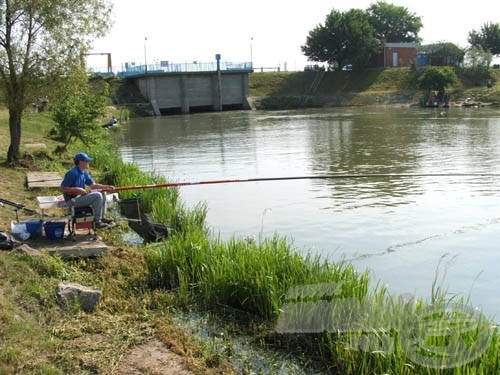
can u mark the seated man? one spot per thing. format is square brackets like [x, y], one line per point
[73, 187]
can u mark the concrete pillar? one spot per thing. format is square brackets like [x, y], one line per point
[184, 95]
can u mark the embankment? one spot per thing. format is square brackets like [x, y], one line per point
[395, 86]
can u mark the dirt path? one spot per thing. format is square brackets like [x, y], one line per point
[153, 358]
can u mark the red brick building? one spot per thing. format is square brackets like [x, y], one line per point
[397, 55]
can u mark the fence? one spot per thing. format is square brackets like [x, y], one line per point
[130, 69]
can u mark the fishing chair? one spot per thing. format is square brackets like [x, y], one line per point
[81, 218]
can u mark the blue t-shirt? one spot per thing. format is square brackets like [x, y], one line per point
[76, 177]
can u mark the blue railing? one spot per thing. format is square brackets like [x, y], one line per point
[166, 67]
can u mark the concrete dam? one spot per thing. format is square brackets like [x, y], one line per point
[175, 91]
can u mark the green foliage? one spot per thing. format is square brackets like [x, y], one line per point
[394, 23]
[488, 38]
[77, 111]
[478, 59]
[42, 41]
[345, 38]
[437, 78]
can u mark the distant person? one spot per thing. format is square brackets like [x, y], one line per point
[73, 187]
[112, 121]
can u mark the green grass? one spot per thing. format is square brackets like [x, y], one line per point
[286, 89]
[253, 278]
[333, 83]
[39, 336]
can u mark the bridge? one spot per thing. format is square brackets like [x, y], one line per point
[191, 87]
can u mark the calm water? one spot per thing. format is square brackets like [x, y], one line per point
[402, 229]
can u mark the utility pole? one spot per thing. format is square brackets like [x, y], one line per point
[219, 83]
[145, 57]
[251, 53]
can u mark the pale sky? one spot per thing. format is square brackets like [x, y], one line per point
[269, 33]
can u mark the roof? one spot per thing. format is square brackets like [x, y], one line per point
[401, 45]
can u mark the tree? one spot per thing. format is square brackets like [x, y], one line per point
[345, 38]
[478, 59]
[394, 23]
[437, 78]
[41, 41]
[488, 38]
[78, 109]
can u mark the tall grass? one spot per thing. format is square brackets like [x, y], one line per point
[250, 277]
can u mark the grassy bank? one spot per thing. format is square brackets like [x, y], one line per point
[39, 336]
[397, 86]
[325, 314]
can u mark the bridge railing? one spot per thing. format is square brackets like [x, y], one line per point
[166, 67]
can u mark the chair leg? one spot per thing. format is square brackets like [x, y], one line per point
[71, 226]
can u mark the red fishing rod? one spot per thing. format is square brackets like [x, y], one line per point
[311, 177]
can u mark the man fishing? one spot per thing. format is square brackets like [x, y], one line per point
[73, 187]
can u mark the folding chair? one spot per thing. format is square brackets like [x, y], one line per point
[81, 218]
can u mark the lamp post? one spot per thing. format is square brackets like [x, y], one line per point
[219, 83]
[145, 56]
[251, 53]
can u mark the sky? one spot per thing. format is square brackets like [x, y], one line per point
[268, 33]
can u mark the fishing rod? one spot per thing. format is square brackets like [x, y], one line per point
[18, 206]
[311, 177]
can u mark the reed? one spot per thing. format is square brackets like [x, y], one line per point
[252, 277]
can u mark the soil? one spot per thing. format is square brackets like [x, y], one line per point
[153, 358]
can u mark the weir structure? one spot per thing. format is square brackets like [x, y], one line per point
[192, 87]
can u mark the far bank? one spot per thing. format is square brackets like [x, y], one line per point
[393, 86]
[317, 89]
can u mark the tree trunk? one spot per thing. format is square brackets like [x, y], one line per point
[15, 135]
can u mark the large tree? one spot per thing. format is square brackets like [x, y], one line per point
[394, 23]
[345, 38]
[40, 41]
[488, 38]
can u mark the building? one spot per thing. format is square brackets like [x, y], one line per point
[396, 55]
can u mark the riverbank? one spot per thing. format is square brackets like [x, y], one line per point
[288, 90]
[280, 300]
[131, 331]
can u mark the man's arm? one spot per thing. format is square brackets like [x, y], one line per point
[102, 187]
[72, 190]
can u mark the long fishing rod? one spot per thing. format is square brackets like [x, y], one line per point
[311, 177]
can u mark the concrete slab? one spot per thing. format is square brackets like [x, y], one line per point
[83, 246]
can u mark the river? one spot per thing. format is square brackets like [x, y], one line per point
[405, 230]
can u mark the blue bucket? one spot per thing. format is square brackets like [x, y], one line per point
[54, 230]
[34, 227]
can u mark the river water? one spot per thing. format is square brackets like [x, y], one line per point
[405, 230]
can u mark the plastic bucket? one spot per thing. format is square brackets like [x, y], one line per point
[34, 227]
[54, 230]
